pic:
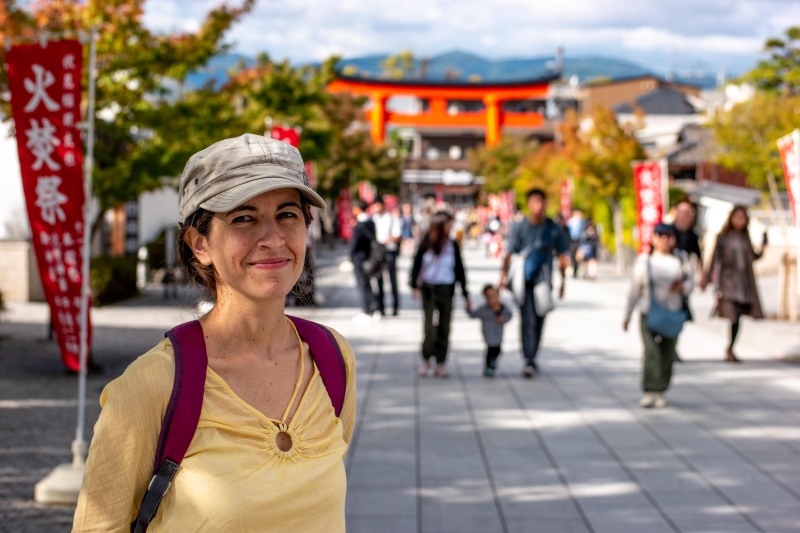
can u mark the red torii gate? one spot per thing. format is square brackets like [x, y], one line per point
[493, 118]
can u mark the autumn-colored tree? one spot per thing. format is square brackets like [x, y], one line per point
[148, 126]
[602, 152]
[544, 168]
[500, 163]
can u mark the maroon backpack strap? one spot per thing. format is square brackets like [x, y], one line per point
[328, 356]
[180, 418]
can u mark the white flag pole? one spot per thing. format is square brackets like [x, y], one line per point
[63, 484]
[79, 445]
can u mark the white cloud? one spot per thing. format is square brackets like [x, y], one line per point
[710, 31]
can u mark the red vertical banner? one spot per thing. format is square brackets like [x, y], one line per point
[566, 199]
[345, 205]
[789, 146]
[648, 182]
[45, 86]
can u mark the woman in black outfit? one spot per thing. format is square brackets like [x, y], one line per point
[437, 268]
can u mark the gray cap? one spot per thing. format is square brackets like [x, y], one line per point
[231, 171]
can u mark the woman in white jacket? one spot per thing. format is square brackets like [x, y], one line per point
[671, 282]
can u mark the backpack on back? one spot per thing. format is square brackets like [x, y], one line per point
[186, 401]
[376, 260]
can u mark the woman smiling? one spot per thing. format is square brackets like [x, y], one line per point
[266, 454]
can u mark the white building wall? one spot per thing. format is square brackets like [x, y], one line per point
[12, 197]
[157, 209]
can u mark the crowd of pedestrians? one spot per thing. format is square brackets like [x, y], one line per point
[531, 247]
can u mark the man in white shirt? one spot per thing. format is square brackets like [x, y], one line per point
[389, 233]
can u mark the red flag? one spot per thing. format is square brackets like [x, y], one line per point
[789, 146]
[45, 86]
[648, 180]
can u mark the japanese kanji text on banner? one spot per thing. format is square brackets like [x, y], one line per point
[648, 178]
[45, 85]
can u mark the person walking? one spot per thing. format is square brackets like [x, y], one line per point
[267, 452]
[576, 226]
[587, 250]
[731, 271]
[659, 278]
[389, 234]
[687, 244]
[536, 238]
[493, 315]
[436, 269]
[360, 249]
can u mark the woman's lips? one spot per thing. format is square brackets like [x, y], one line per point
[270, 264]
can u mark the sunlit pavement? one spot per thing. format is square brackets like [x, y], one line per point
[567, 451]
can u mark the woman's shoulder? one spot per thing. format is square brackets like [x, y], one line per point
[150, 376]
[344, 345]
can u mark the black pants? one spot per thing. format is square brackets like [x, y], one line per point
[364, 284]
[391, 269]
[437, 304]
[531, 326]
[492, 353]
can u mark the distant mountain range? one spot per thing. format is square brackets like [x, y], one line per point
[458, 65]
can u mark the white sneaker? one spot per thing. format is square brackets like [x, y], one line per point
[660, 400]
[648, 400]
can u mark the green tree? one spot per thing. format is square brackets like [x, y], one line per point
[602, 153]
[544, 168]
[399, 66]
[746, 135]
[334, 132]
[780, 72]
[140, 87]
[500, 163]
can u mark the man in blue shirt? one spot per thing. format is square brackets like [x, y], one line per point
[537, 238]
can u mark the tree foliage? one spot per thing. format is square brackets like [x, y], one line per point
[500, 164]
[780, 72]
[148, 126]
[746, 134]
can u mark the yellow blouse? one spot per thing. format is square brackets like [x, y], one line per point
[233, 476]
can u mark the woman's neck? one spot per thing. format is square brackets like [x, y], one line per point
[244, 325]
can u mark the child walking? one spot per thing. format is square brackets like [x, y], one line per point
[493, 315]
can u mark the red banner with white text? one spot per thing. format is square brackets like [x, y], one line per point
[45, 86]
[648, 179]
[789, 147]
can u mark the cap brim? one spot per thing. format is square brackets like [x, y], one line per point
[236, 196]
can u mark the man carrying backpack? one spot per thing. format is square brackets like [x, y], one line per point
[364, 258]
[535, 238]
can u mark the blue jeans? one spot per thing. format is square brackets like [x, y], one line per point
[531, 326]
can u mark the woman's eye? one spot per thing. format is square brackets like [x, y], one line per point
[287, 214]
[241, 218]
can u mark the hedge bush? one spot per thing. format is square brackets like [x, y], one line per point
[113, 279]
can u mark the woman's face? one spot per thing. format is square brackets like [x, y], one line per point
[258, 249]
[739, 220]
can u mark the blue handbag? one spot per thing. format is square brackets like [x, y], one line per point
[660, 320]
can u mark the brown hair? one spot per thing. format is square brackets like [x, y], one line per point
[205, 277]
[437, 234]
[728, 227]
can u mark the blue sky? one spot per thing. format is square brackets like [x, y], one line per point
[663, 35]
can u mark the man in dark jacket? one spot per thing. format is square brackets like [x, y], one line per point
[360, 247]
